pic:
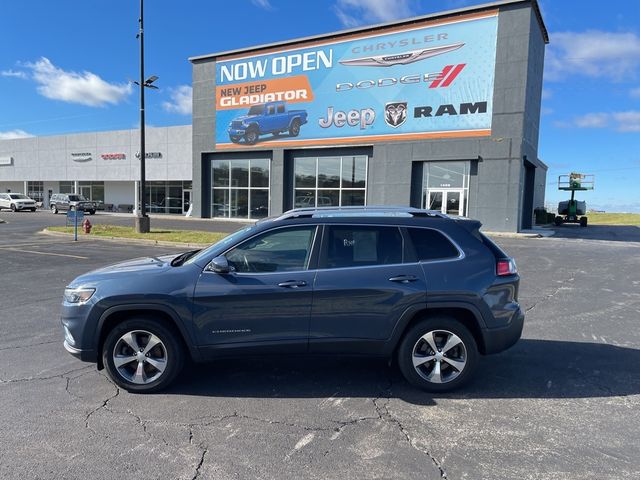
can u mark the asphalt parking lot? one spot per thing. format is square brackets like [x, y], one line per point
[563, 403]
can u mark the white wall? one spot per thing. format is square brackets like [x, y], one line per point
[119, 193]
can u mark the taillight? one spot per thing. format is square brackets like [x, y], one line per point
[506, 267]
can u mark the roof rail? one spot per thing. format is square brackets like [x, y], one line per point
[360, 211]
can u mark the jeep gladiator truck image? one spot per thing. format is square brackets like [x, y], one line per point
[270, 117]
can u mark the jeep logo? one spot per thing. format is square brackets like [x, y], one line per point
[353, 118]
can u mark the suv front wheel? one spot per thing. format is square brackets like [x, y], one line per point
[438, 354]
[142, 355]
[54, 209]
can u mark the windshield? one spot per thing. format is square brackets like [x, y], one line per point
[256, 110]
[76, 198]
[226, 241]
[18, 196]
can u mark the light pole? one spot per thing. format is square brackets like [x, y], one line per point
[142, 221]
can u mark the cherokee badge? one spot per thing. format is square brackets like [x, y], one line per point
[404, 58]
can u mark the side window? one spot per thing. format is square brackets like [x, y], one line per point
[271, 110]
[431, 244]
[357, 246]
[3, 196]
[280, 108]
[281, 250]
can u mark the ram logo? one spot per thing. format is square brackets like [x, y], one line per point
[395, 113]
[403, 58]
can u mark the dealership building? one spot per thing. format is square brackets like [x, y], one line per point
[440, 111]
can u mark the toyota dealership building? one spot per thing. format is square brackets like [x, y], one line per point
[439, 112]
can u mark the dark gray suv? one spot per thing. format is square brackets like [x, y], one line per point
[425, 289]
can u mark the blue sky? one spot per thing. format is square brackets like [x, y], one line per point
[65, 67]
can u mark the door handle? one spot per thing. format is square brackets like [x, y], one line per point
[403, 278]
[293, 284]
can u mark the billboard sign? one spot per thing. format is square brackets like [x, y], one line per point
[427, 80]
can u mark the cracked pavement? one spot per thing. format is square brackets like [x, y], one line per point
[563, 403]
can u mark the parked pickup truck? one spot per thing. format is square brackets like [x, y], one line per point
[270, 117]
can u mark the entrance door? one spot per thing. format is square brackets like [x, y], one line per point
[450, 202]
[85, 191]
[186, 200]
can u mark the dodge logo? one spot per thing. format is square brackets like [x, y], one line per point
[395, 113]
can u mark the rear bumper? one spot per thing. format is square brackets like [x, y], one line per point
[499, 339]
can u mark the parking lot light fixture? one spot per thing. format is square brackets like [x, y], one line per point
[142, 221]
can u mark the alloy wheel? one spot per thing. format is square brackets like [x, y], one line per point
[140, 357]
[439, 356]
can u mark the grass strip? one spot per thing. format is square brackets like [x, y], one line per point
[182, 236]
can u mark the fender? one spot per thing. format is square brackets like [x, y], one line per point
[186, 335]
[410, 313]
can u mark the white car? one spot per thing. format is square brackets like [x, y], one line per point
[16, 201]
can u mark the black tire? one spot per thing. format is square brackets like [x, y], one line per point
[465, 352]
[33, 210]
[557, 221]
[92, 212]
[13, 207]
[54, 209]
[583, 221]
[252, 136]
[294, 128]
[170, 349]
[235, 138]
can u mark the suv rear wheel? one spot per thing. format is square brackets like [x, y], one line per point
[54, 209]
[438, 354]
[142, 355]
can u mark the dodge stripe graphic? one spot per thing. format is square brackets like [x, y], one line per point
[449, 74]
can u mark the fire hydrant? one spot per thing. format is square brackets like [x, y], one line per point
[86, 226]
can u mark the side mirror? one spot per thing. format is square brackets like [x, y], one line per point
[220, 264]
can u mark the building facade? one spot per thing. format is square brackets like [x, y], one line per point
[102, 166]
[439, 112]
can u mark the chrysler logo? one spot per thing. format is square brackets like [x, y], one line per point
[395, 113]
[404, 58]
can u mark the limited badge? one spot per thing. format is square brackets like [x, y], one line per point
[395, 113]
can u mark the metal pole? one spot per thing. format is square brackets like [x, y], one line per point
[142, 145]
[142, 221]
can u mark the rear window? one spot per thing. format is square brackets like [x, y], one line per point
[359, 246]
[431, 244]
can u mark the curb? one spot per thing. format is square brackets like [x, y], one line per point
[541, 234]
[138, 241]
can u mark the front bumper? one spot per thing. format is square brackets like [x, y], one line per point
[84, 355]
[499, 339]
[25, 206]
[236, 132]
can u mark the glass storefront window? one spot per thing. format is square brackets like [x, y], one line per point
[240, 188]
[445, 187]
[330, 181]
[445, 174]
[164, 197]
[66, 187]
[35, 190]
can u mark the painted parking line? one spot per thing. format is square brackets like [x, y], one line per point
[46, 253]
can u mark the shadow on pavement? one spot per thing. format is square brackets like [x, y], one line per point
[531, 369]
[615, 233]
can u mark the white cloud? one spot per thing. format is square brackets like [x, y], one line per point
[546, 94]
[11, 134]
[265, 4]
[85, 88]
[635, 92]
[628, 121]
[13, 73]
[181, 100]
[593, 53]
[356, 12]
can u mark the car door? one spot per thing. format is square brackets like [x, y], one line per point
[265, 301]
[362, 288]
[4, 200]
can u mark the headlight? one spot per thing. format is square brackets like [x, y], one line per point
[78, 295]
